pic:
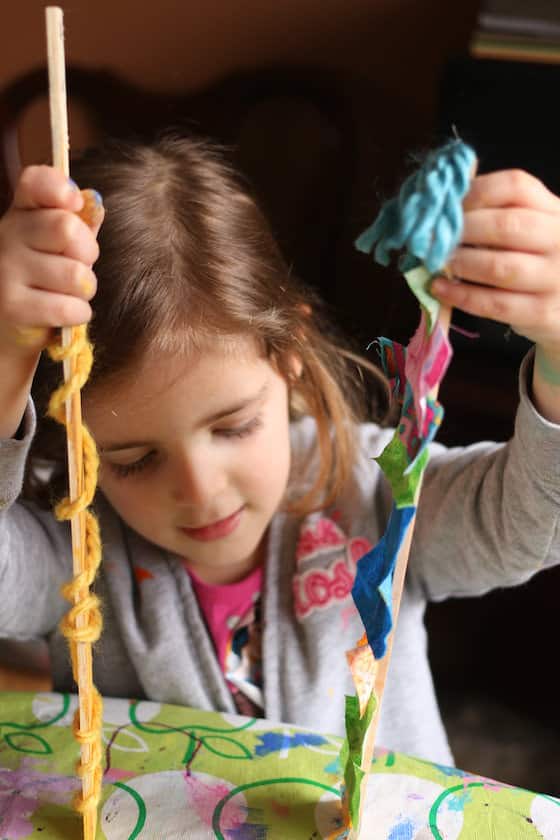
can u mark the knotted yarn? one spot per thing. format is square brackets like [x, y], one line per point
[83, 622]
[424, 222]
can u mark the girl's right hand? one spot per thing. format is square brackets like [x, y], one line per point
[46, 257]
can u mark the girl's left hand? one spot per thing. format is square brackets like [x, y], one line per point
[508, 264]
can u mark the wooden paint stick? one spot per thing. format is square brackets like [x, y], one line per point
[61, 161]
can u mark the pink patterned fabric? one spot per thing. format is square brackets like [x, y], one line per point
[427, 359]
[317, 587]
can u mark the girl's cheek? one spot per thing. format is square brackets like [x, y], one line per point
[118, 491]
[261, 456]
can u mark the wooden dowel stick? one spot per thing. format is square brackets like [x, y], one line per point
[60, 153]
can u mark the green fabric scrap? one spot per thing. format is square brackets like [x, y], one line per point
[351, 753]
[419, 279]
[394, 461]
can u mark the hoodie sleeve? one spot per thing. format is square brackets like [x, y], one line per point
[35, 549]
[488, 514]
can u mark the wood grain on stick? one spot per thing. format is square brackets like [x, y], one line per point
[61, 161]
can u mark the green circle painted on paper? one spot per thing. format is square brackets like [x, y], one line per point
[141, 809]
[449, 792]
[43, 725]
[264, 783]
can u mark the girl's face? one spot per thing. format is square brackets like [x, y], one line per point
[195, 454]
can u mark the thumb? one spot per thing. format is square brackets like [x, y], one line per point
[93, 212]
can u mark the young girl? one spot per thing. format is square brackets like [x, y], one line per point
[237, 486]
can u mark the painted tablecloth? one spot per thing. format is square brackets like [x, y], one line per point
[173, 772]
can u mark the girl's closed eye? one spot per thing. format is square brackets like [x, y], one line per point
[241, 431]
[147, 461]
[124, 470]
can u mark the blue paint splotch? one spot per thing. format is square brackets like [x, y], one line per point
[277, 741]
[449, 771]
[334, 767]
[249, 831]
[403, 830]
[458, 801]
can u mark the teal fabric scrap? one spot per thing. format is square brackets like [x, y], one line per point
[372, 590]
[392, 356]
[425, 221]
[413, 438]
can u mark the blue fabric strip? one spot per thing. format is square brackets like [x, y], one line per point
[372, 590]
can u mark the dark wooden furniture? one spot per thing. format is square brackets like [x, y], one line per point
[289, 132]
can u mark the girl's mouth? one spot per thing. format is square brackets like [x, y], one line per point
[216, 530]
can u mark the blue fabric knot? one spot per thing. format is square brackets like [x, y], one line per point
[425, 220]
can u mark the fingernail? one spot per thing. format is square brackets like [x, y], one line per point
[92, 211]
[73, 185]
[85, 285]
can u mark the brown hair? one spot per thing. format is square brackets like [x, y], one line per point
[185, 254]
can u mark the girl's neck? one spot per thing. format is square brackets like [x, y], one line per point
[224, 575]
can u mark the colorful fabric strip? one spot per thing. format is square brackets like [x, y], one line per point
[427, 359]
[372, 590]
[393, 362]
[415, 441]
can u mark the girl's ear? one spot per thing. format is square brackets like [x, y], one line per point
[295, 366]
[297, 400]
[289, 365]
[295, 363]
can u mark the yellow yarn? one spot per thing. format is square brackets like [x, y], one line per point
[88, 604]
[93, 766]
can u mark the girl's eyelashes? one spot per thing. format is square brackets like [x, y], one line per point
[241, 431]
[124, 470]
[147, 460]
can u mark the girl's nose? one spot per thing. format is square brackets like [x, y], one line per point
[198, 479]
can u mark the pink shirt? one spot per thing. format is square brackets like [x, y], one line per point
[232, 615]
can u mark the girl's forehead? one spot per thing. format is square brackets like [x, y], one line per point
[208, 352]
[165, 397]
[193, 345]
[210, 362]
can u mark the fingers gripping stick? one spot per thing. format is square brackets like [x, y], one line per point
[92, 214]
